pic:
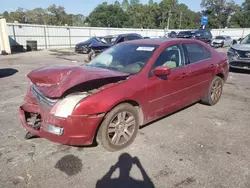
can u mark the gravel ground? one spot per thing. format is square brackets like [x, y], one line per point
[199, 146]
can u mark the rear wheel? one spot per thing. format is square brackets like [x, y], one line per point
[214, 92]
[119, 128]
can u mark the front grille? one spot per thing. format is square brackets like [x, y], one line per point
[41, 99]
[33, 120]
[241, 64]
[243, 54]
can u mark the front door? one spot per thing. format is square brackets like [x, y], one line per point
[166, 94]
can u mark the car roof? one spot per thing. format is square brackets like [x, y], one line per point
[186, 31]
[159, 41]
[125, 34]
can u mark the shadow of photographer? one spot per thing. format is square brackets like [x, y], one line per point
[125, 164]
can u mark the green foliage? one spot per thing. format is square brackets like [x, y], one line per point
[219, 12]
[105, 15]
[53, 15]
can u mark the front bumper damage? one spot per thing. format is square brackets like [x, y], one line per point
[73, 130]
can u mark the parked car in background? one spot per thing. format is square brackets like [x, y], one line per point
[184, 34]
[239, 54]
[171, 34]
[199, 34]
[106, 42]
[83, 47]
[106, 100]
[203, 35]
[222, 41]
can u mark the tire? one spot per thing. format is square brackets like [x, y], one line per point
[222, 44]
[91, 55]
[214, 92]
[111, 127]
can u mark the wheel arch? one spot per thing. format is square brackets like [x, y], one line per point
[131, 102]
[221, 75]
[134, 104]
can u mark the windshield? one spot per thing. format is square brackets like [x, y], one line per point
[220, 37]
[246, 40]
[109, 39]
[125, 57]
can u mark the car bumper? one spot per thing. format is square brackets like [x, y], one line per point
[237, 63]
[77, 130]
[216, 44]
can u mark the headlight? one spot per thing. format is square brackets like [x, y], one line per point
[233, 52]
[65, 107]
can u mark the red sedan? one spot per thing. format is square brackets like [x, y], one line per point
[125, 87]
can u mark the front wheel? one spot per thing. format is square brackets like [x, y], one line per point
[119, 128]
[91, 55]
[214, 92]
[222, 44]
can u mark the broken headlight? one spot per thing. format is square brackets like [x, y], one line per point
[65, 107]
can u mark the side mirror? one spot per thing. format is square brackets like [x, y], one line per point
[162, 71]
[240, 39]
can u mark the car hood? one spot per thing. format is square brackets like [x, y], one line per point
[218, 40]
[53, 82]
[83, 43]
[241, 47]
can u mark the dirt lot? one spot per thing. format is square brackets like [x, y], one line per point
[197, 147]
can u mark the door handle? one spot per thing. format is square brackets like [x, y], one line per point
[184, 75]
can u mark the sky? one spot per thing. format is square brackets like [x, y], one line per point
[78, 6]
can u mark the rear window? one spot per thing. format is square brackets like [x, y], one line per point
[220, 37]
[185, 32]
[133, 37]
[197, 52]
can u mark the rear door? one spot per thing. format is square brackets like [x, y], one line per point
[202, 69]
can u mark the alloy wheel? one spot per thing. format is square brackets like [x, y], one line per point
[121, 128]
[216, 91]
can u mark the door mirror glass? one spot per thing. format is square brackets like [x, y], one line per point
[162, 71]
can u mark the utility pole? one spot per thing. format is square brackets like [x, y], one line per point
[180, 20]
[169, 15]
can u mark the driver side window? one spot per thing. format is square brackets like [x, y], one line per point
[172, 57]
[122, 39]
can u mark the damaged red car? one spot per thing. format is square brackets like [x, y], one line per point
[125, 87]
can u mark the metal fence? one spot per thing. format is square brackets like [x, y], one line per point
[49, 37]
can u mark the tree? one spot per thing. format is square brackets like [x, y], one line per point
[246, 13]
[105, 15]
[134, 2]
[117, 3]
[219, 11]
[150, 2]
[125, 5]
[57, 15]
